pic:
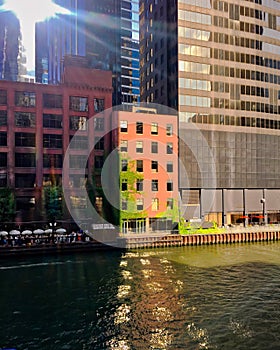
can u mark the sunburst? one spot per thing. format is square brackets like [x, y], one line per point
[29, 12]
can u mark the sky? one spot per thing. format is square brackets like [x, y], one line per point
[29, 12]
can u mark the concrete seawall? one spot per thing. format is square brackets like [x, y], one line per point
[176, 240]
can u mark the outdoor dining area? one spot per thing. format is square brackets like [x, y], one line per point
[39, 236]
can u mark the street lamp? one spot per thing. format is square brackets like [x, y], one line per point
[263, 208]
[52, 226]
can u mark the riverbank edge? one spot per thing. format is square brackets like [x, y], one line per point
[176, 240]
[47, 249]
[144, 241]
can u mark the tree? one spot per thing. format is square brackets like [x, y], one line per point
[129, 176]
[53, 202]
[7, 205]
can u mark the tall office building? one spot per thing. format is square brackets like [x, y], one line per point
[11, 51]
[218, 63]
[105, 32]
[56, 37]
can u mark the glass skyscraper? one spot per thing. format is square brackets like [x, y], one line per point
[10, 47]
[105, 32]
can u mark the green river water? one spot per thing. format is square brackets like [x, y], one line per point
[203, 297]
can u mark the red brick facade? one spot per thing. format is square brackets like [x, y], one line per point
[37, 122]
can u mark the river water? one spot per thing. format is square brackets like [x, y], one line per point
[206, 297]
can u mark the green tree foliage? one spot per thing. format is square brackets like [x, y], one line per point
[7, 205]
[130, 176]
[172, 214]
[53, 202]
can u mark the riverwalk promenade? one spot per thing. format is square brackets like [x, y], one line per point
[155, 240]
[227, 236]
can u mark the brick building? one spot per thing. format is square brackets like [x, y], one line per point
[37, 122]
[148, 156]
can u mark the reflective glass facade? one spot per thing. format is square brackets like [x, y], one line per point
[106, 32]
[10, 47]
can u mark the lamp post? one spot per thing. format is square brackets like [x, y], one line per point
[52, 226]
[264, 211]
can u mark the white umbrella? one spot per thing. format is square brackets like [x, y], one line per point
[38, 231]
[3, 233]
[48, 230]
[14, 232]
[26, 232]
[60, 230]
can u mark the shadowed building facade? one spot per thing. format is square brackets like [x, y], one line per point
[37, 123]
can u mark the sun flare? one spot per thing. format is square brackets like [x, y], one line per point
[29, 12]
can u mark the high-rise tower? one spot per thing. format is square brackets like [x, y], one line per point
[105, 32]
[218, 63]
[10, 39]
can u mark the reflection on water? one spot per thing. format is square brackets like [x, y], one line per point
[205, 297]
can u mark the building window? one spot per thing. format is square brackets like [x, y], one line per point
[139, 146]
[25, 120]
[124, 185]
[79, 104]
[78, 142]
[3, 118]
[124, 164]
[139, 203]
[23, 160]
[3, 139]
[154, 186]
[3, 159]
[139, 185]
[52, 101]
[78, 202]
[99, 124]
[3, 97]
[169, 203]
[169, 129]
[155, 204]
[77, 161]
[123, 146]
[169, 167]
[154, 166]
[98, 104]
[52, 141]
[98, 162]
[78, 123]
[169, 148]
[169, 186]
[53, 121]
[77, 181]
[24, 180]
[49, 179]
[52, 161]
[139, 128]
[154, 147]
[154, 128]
[25, 99]
[3, 180]
[99, 143]
[139, 166]
[124, 204]
[123, 125]
[23, 139]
